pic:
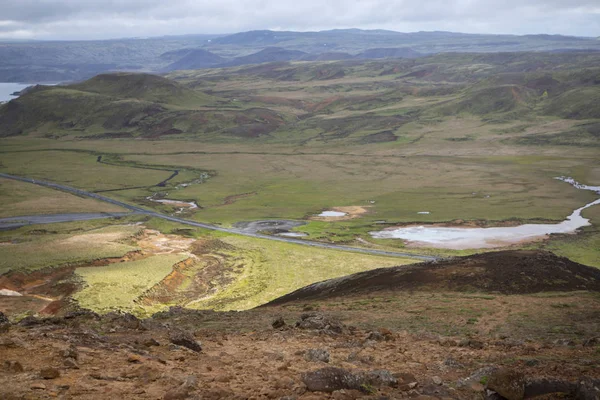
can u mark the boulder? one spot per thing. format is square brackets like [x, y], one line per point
[185, 339]
[278, 323]
[49, 373]
[13, 366]
[318, 321]
[331, 379]
[316, 355]
[507, 383]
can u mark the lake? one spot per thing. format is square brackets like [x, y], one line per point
[8, 88]
[478, 238]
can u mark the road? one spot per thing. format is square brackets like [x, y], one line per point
[140, 210]
[17, 222]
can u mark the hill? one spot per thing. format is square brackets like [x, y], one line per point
[506, 272]
[269, 54]
[421, 341]
[146, 87]
[194, 59]
[389, 53]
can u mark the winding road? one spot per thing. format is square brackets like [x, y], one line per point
[140, 210]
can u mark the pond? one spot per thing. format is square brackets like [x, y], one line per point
[476, 238]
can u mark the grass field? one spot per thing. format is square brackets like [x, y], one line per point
[275, 269]
[117, 286]
[19, 199]
[35, 247]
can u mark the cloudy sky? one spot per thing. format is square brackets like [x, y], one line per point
[101, 19]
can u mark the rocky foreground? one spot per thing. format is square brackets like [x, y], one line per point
[505, 325]
[184, 354]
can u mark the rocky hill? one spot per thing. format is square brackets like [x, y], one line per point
[424, 339]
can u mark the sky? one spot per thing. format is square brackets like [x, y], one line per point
[104, 19]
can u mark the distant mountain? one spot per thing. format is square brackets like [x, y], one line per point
[270, 54]
[67, 61]
[195, 59]
[405, 52]
[253, 38]
[331, 56]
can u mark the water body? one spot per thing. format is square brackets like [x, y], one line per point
[332, 214]
[176, 203]
[476, 238]
[292, 234]
[8, 88]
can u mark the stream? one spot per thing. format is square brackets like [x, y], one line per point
[477, 238]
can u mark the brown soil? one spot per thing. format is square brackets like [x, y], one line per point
[451, 322]
[243, 357]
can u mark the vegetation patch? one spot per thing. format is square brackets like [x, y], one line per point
[118, 286]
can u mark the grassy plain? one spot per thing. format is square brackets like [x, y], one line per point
[19, 199]
[34, 247]
[117, 286]
[280, 268]
[474, 140]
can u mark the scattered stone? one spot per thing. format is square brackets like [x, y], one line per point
[532, 363]
[437, 380]
[588, 389]
[38, 386]
[185, 339]
[318, 321]
[380, 335]
[134, 359]
[594, 341]
[70, 352]
[477, 376]
[507, 383]
[316, 355]
[564, 342]
[49, 373]
[278, 323]
[183, 391]
[3, 318]
[355, 356]
[406, 381]
[379, 378]
[70, 363]
[452, 363]
[330, 379]
[151, 342]
[124, 320]
[13, 366]
[223, 378]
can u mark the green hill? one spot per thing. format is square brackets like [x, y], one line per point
[145, 87]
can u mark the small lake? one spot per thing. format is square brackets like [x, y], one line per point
[477, 238]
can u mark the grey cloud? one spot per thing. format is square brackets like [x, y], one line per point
[77, 19]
